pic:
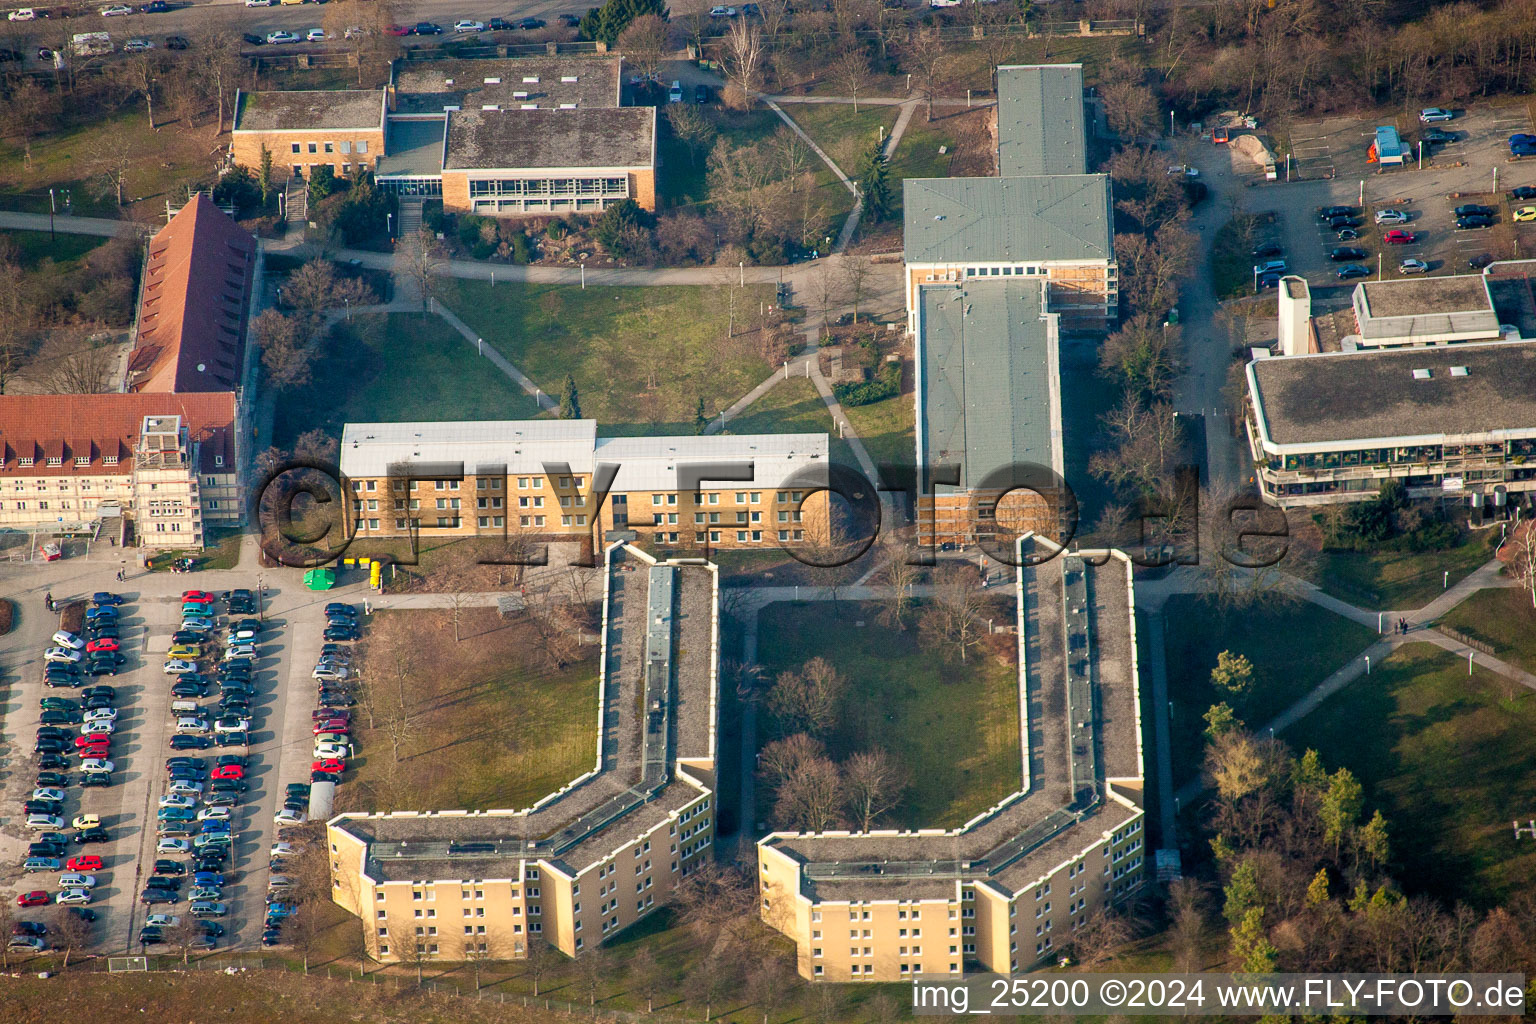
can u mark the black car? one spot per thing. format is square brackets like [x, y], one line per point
[1345, 252]
[55, 779]
[185, 742]
[150, 934]
[42, 806]
[335, 632]
[93, 835]
[152, 896]
[701, 94]
[53, 761]
[191, 688]
[241, 602]
[271, 936]
[169, 867]
[296, 789]
[154, 7]
[49, 745]
[99, 690]
[498, 24]
[228, 786]
[1339, 223]
[46, 849]
[341, 608]
[83, 913]
[36, 928]
[1268, 249]
[252, 39]
[89, 780]
[337, 700]
[176, 43]
[1480, 261]
[186, 636]
[570, 20]
[52, 731]
[234, 739]
[1330, 212]
[1523, 192]
[1469, 223]
[1353, 270]
[103, 631]
[1436, 135]
[224, 759]
[426, 28]
[255, 625]
[98, 702]
[529, 24]
[1475, 210]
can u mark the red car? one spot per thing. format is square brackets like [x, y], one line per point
[331, 725]
[95, 739]
[196, 597]
[398, 30]
[330, 766]
[35, 898]
[94, 750]
[229, 771]
[83, 864]
[1397, 236]
[332, 714]
[104, 644]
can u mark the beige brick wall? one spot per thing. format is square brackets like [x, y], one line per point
[456, 191]
[246, 148]
[642, 188]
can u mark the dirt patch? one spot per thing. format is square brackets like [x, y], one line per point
[72, 616]
[7, 615]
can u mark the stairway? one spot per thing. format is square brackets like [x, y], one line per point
[410, 215]
[296, 200]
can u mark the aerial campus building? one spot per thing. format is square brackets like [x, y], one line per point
[1007, 889]
[606, 849]
[997, 270]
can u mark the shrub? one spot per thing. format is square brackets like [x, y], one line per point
[238, 188]
[887, 384]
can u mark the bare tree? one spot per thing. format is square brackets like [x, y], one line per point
[141, 75]
[713, 897]
[899, 576]
[7, 923]
[856, 271]
[364, 27]
[851, 72]
[409, 948]
[774, 14]
[873, 783]
[780, 759]
[1522, 564]
[217, 60]
[645, 43]
[316, 287]
[808, 700]
[710, 981]
[813, 797]
[955, 620]
[744, 59]
[29, 109]
[542, 958]
[691, 128]
[420, 257]
[70, 932]
[107, 164]
[593, 966]
[287, 354]
[477, 952]
[645, 975]
[186, 934]
[1096, 943]
[1188, 928]
[80, 371]
[930, 60]
[768, 986]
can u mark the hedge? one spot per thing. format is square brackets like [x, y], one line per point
[887, 384]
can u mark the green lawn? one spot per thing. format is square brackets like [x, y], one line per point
[954, 727]
[683, 184]
[792, 406]
[1444, 757]
[1502, 618]
[222, 552]
[36, 246]
[1293, 647]
[1232, 254]
[917, 155]
[398, 367]
[885, 428]
[641, 357]
[1398, 579]
[843, 135]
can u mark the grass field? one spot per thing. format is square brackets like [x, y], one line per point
[494, 727]
[1502, 618]
[159, 164]
[1293, 647]
[954, 727]
[1398, 579]
[792, 406]
[641, 357]
[222, 552]
[843, 135]
[398, 367]
[684, 184]
[886, 429]
[1231, 254]
[1437, 752]
[36, 246]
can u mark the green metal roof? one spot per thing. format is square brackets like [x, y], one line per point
[1040, 120]
[996, 220]
[988, 395]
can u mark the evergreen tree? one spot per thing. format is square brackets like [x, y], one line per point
[1220, 720]
[875, 184]
[1317, 889]
[1251, 946]
[610, 20]
[264, 175]
[1233, 674]
[700, 421]
[570, 402]
[1373, 839]
[1242, 893]
[1341, 807]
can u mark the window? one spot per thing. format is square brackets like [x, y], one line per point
[346, 146]
[295, 147]
[362, 145]
[312, 148]
[329, 148]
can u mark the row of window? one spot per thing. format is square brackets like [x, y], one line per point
[344, 146]
[599, 187]
[742, 497]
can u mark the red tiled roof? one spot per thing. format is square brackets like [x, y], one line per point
[68, 427]
[197, 286]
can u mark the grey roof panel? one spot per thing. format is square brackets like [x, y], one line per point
[988, 370]
[1032, 219]
[1040, 120]
[309, 109]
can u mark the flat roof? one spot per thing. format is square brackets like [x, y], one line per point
[414, 149]
[427, 87]
[1374, 395]
[989, 396]
[992, 220]
[1417, 296]
[596, 138]
[1388, 143]
[303, 109]
[1041, 125]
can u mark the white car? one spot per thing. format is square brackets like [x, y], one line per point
[24, 14]
[45, 822]
[101, 726]
[75, 880]
[47, 793]
[234, 651]
[1429, 115]
[1413, 267]
[178, 800]
[62, 654]
[722, 12]
[330, 672]
[66, 639]
[287, 817]
[281, 37]
[232, 725]
[315, 35]
[339, 750]
[260, 3]
[174, 846]
[219, 813]
[116, 11]
[96, 765]
[101, 715]
[284, 850]
[943, 3]
[469, 26]
[73, 897]
[177, 667]
[1391, 217]
[138, 45]
[184, 787]
[163, 920]
[1184, 169]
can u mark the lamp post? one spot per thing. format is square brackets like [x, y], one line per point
[583, 275]
[1171, 129]
[52, 209]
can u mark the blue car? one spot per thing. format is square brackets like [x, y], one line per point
[101, 611]
[215, 826]
[102, 597]
[208, 878]
[175, 814]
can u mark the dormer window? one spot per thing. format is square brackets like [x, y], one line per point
[82, 460]
[109, 460]
[55, 460]
[25, 462]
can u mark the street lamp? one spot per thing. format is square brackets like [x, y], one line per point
[1171, 130]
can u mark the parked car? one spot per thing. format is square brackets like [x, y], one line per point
[427, 28]
[674, 95]
[188, 741]
[1330, 212]
[1397, 236]
[1391, 217]
[176, 43]
[1474, 210]
[1430, 115]
[1435, 135]
[467, 25]
[115, 11]
[1412, 266]
[62, 654]
[499, 25]
[530, 24]
[1353, 270]
[138, 45]
[1473, 222]
[280, 37]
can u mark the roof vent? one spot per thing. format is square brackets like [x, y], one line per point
[202, 368]
[519, 95]
[531, 78]
[567, 78]
[1421, 375]
[489, 106]
[493, 81]
[530, 106]
[1459, 371]
[938, 216]
[567, 106]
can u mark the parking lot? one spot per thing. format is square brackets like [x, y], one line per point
[279, 750]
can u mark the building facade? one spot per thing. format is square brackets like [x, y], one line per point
[306, 129]
[1008, 889]
[1446, 421]
[604, 851]
[556, 479]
